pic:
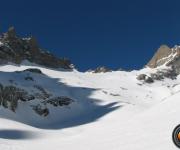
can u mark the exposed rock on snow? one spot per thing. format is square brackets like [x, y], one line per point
[10, 95]
[32, 93]
[145, 78]
[159, 74]
[34, 70]
[100, 70]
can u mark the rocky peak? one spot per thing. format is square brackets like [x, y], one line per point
[11, 33]
[33, 44]
[166, 56]
[163, 52]
[16, 49]
[100, 70]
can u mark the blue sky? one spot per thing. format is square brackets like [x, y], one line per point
[113, 33]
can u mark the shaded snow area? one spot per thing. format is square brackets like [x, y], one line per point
[110, 111]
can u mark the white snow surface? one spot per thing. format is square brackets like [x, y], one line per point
[112, 111]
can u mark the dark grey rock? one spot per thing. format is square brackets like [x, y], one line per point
[33, 70]
[145, 78]
[148, 79]
[60, 101]
[40, 110]
[10, 95]
[141, 77]
[159, 75]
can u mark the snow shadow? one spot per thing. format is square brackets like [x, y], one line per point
[86, 117]
[83, 110]
[17, 134]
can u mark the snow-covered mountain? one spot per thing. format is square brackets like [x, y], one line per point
[46, 107]
[166, 56]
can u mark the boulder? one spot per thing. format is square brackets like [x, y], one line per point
[141, 77]
[145, 78]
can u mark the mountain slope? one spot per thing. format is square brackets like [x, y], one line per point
[110, 111]
[46, 104]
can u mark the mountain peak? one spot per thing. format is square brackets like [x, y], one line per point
[162, 52]
[16, 49]
[166, 56]
[11, 33]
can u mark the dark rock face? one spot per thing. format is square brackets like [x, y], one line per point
[15, 49]
[34, 70]
[40, 110]
[60, 101]
[22, 87]
[160, 75]
[10, 95]
[141, 77]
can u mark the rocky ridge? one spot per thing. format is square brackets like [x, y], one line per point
[101, 69]
[166, 56]
[16, 49]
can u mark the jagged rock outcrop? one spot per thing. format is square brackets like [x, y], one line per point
[26, 87]
[15, 49]
[158, 75]
[100, 70]
[160, 56]
[166, 56]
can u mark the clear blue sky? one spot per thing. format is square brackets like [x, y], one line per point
[113, 33]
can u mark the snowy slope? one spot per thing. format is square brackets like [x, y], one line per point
[111, 111]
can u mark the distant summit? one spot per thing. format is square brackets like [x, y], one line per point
[101, 69]
[166, 56]
[16, 49]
